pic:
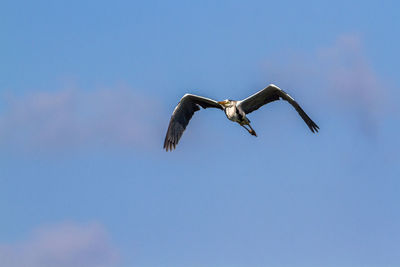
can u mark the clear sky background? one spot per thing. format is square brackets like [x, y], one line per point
[86, 92]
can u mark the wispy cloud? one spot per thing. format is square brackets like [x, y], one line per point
[351, 78]
[72, 118]
[340, 75]
[63, 245]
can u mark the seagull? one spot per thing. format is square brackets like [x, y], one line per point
[235, 111]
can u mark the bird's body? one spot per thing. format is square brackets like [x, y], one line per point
[234, 110]
[236, 114]
[232, 113]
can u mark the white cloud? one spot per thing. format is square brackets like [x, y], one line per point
[340, 77]
[63, 245]
[350, 75]
[67, 119]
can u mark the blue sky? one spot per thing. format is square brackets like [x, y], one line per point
[83, 177]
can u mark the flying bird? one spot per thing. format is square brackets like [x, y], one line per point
[234, 110]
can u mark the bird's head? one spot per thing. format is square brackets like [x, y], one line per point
[226, 103]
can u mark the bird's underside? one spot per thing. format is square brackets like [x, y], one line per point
[234, 110]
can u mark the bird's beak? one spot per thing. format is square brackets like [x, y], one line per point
[222, 102]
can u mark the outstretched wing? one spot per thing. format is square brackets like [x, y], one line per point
[182, 114]
[269, 94]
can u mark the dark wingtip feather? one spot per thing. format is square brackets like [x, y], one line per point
[169, 143]
[313, 127]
